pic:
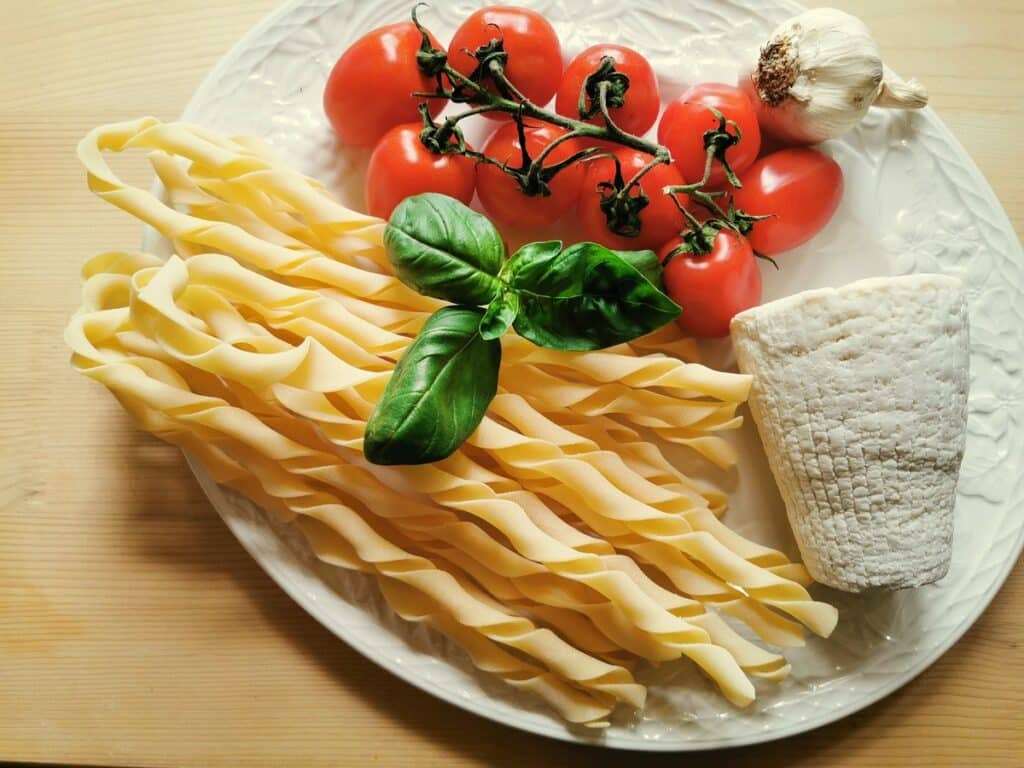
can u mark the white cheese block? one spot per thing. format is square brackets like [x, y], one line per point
[860, 398]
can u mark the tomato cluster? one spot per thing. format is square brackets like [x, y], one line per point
[375, 97]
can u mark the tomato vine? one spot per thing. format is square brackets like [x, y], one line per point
[488, 89]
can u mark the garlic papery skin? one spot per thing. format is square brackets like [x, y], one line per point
[819, 74]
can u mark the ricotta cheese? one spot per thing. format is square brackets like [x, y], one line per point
[860, 398]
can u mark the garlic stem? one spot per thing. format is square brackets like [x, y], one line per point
[901, 94]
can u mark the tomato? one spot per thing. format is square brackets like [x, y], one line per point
[642, 101]
[659, 221]
[686, 119]
[534, 64]
[801, 186]
[370, 88]
[401, 167]
[500, 193]
[713, 287]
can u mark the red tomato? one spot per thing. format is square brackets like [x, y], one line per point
[713, 287]
[534, 54]
[642, 100]
[500, 193]
[659, 221]
[800, 186]
[401, 167]
[370, 88]
[686, 119]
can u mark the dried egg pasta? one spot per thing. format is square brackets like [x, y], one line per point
[556, 547]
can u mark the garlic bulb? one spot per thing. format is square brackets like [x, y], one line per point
[818, 75]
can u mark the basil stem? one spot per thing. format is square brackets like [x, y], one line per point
[500, 314]
[438, 393]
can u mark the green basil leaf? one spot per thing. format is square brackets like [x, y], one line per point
[438, 393]
[531, 253]
[586, 297]
[499, 315]
[441, 248]
[647, 264]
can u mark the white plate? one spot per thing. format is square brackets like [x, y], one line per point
[914, 202]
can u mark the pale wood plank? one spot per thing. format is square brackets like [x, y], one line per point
[134, 630]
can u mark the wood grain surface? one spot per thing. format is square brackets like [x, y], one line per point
[134, 630]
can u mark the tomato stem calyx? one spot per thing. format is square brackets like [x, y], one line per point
[622, 209]
[429, 59]
[698, 240]
[744, 221]
[767, 258]
[614, 93]
[716, 141]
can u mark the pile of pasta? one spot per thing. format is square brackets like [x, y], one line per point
[558, 546]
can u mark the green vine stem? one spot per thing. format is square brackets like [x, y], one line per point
[605, 88]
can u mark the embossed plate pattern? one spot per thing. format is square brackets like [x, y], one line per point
[914, 202]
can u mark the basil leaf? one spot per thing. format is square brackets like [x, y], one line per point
[499, 315]
[441, 248]
[586, 297]
[438, 393]
[647, 264]
[531, 253]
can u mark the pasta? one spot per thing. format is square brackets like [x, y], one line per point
[527, 538]
[161, 400]
[598, 487]
[557, 547]
[219, 420]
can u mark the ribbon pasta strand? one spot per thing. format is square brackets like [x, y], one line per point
[557, 547]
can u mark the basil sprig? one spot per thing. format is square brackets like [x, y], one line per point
[582, 297]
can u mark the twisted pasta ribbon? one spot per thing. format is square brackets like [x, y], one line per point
[788, 595]
[670, 636]
[520, 530]
[266, 360]
[147, 385]
[585, 481]
[574, 704]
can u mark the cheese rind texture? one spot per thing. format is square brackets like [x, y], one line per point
[860, 397]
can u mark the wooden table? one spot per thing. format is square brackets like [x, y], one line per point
[134, 630]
